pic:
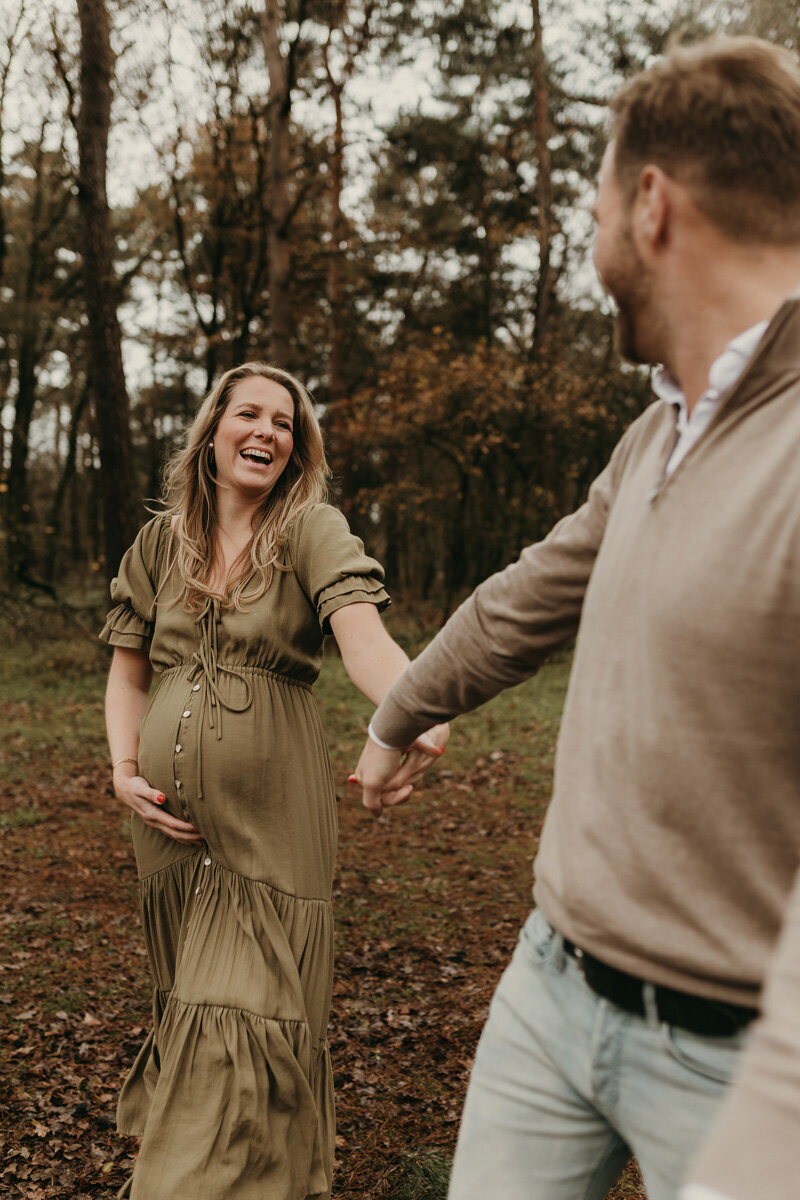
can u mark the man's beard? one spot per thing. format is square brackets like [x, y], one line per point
[626, 341]
[627, 282]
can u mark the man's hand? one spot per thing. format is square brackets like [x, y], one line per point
[422, 754]
[388, 776]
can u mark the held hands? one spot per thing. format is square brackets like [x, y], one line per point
[388, 776]
[147, 803]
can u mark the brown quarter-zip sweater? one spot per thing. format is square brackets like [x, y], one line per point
[674, 829]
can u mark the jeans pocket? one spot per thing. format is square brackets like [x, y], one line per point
[712, 1058]
[538, 939]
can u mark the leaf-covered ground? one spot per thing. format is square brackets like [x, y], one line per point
[428, 900]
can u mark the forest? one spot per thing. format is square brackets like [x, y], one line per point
[389, 199]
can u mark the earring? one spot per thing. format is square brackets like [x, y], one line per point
[211, 445]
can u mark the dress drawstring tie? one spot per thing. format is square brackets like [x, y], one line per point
[208, 671]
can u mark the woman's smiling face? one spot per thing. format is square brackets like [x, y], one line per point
[254, 439]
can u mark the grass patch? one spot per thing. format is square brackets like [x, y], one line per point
[21, 818]
[71, 1000]
[51, 715]
[422, 1176]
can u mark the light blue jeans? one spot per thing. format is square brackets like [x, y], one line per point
[566, 1086]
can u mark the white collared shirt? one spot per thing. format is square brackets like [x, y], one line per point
[725, 372]
[698, 1191]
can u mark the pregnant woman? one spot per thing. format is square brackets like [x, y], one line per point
[227, 595]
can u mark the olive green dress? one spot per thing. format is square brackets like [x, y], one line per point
[232, 1091]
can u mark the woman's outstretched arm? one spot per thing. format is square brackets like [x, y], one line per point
[373, 660]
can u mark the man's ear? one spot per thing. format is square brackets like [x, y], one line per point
[652, 211]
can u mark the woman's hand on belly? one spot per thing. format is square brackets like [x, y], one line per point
[147, 803]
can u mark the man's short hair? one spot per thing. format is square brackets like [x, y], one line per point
[723, 117]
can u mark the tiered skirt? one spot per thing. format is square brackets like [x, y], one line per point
[232, 1092]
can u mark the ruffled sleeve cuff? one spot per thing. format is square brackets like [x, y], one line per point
[124, 627]
[355, 589]
[131, 623]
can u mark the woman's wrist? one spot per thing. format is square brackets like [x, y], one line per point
[128, 766]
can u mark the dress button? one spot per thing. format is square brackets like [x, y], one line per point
[187, 712]
[178, 748]
[178, 784]
[206, 862]
[196, 687]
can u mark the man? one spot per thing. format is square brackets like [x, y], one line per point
[674, 830]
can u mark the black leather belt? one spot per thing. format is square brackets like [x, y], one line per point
[709, 1018]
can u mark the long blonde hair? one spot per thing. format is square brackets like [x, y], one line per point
[190, 494]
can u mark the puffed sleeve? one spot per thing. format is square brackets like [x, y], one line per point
[130, 623]
[331, 564]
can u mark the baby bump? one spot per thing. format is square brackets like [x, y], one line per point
[257, 782]
[268, 802]
[159, 732]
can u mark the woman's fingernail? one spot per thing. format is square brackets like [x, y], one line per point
[162, 799]
[352, 779]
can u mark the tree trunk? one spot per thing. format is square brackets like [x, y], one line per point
[18, 498]
[544, 179]
[280, 107]
[120, 509]
[18, 501]
[336, 228]
[18, 505]
[12, 45]
[336, 423]
[55, 521]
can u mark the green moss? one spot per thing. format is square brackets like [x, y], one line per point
[18, 818]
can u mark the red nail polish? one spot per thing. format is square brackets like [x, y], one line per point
[352, 779]
[162, 799]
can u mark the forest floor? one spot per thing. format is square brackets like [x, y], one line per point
[428, 899]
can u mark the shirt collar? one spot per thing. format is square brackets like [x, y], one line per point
[724, 373]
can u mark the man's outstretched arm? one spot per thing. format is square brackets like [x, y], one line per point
[496, 639]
